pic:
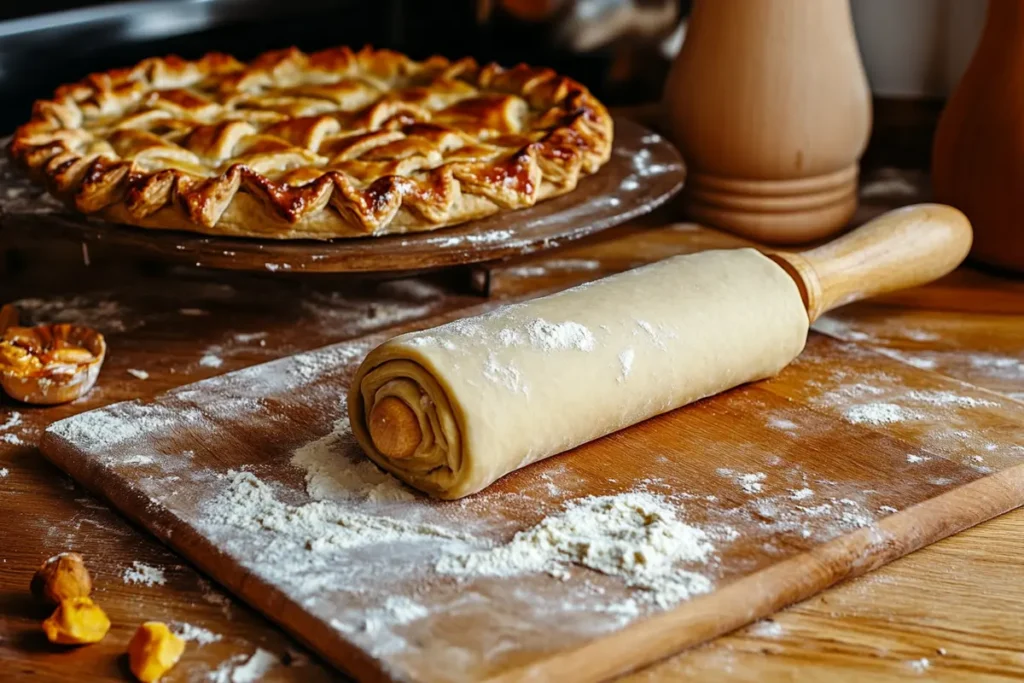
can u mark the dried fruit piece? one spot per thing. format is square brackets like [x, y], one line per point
[62, 577]
[153, 650]
[77, 621]
[50, 364]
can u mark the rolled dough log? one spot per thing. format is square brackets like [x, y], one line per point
[494, 393]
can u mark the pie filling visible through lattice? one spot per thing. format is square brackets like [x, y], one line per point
[330, 144]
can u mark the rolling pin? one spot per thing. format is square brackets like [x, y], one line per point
[450, 410]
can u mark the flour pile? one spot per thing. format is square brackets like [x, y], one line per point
[250, 504]
[337, 470]
[361, 527]
[635, 536]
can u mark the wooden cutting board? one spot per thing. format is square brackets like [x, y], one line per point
[844, 462]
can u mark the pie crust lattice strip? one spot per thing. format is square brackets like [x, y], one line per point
[330, 144]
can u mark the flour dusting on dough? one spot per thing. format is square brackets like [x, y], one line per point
[626, 363]
[506, 374]
[560, 336]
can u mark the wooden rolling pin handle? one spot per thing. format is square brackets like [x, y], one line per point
[900, 249]
[394, 429]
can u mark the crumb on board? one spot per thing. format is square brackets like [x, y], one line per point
[144, 574]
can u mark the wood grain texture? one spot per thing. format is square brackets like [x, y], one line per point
[979, 145]
[644, 172]
[770, 106]
[898, 250]
[780, 554]
[955, 604]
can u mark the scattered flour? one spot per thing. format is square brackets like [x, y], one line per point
[750, 482]
[919, 666]
[649, 329]
[505, 375]
[801, 494]
[879, 414]
[12, 439]
[542, 334]
[377, 623]
[626, 363]
[916, 359]
[549, 336]
[629, 183]
[299, 543]
[13, 421]
[245, 338]
[239, 670]
[766, 628]
[211, 361]
[138, 460]
[572, 264]
[100, 430]
[948, 398]
[472, 238]
[840, 329]
[914, 459]
[97, 311]
[138, 374]
[3, 472]
[780, 515]
[919, 335]
[635, 536]
[144, 574]
[782, 424]
[644, 166]
[312, 364]
[1002, 367]
[194, 634]
[213, 597]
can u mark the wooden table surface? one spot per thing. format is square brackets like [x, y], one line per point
[953, 611]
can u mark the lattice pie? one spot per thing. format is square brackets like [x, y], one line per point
[330, 144]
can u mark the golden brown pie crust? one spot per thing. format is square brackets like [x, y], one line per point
[330, 144]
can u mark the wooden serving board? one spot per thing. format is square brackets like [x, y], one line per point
[644, 171]
[844, 462]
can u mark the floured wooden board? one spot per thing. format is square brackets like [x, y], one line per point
[769, 493]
